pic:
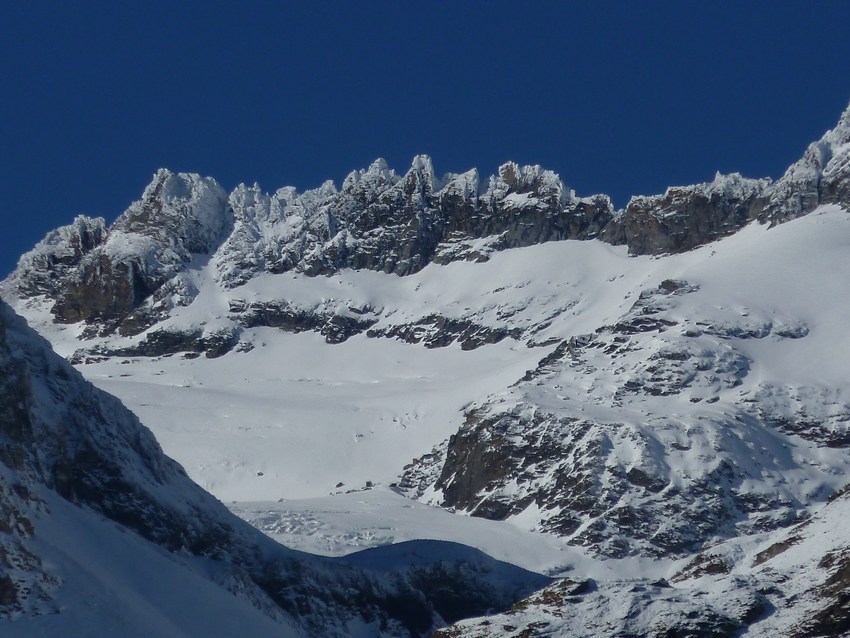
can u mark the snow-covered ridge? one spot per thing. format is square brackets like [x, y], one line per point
[127, 276]
[821, 176]
[731, 186]
[124, 276]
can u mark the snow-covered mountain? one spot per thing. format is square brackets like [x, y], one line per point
[652, 387]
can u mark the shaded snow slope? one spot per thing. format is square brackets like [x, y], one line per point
[116, 583]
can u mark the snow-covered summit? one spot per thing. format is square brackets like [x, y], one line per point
[184, 210]
[374, 178]
[527, 183]
[126, 276]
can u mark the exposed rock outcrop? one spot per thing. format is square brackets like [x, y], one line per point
[179, 216]
[45, 270]
[686, 217]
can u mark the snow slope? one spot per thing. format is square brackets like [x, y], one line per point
[118, 584]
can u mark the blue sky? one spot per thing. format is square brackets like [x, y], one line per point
[617, 97]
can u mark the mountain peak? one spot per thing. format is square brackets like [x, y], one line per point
[844, 120]
[179, 207]
[378, 175]
[421, 176]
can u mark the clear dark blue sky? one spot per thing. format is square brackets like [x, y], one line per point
[618, 97]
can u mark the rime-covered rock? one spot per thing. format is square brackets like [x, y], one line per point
[821, 176]
[179, 216]
[45, 269]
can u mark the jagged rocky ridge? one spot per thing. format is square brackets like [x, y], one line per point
[60, 437]
[128, 276]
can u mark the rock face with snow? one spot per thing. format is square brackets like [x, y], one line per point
[686, 217]
[177, 217]
[47, 268]
[128, 277]
[821, 176]
[398, 224]
[794, 584]
[596, 439]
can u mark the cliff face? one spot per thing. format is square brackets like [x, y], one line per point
[686, 217]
